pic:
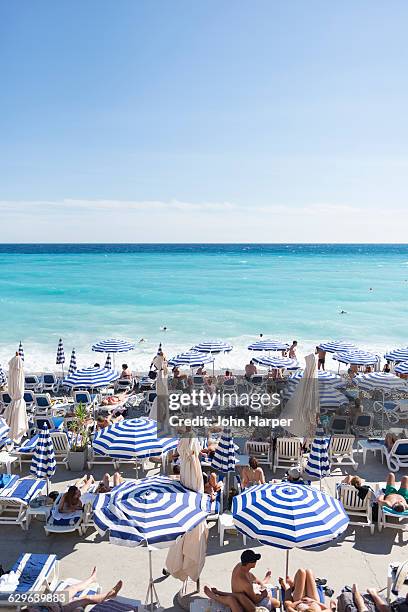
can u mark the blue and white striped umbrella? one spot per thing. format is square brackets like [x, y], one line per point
[276, 362]
[113, 345]
[401, 368]
[60, 360]
[4, 429]
[381, 380]
[153, 511]
[132, 438]
[268, 345]
[108, 362]
[289, 515]
[318, 464]
[357, 357]
[337, 346]
[43, 464]
[213, 347]
[21, 350]
[329, 396]
[397, 355]
[191, 359]
[72, 363]
[224, 459]
[323, 377]
[91, 378]
[3, 377]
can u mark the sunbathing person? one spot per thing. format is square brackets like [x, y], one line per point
[105, 487]
[357, 483]
[70, 501]
[211, 486]
[301, 592]
[252, 474]
[361, 602]
[76, 604]
[390, 439]
[394, 498]
[105, 421]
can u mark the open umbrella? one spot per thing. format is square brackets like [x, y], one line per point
[268, 345]
[192, 359]
[90, 378]
[384, 381]
[16, 413]
[397, 355]
[213, 347]
[337, 346]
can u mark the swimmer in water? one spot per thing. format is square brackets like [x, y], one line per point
[343, 312]
[164, 328]
[142, 340]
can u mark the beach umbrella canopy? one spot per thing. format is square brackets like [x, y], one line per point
[356, 357]
[276, 362]
[153, 511]
[132, 438]
[289, 515]
[60, 360]
[224, 459]
[268, 345]
[401, 368]
[213, 347]
[113, 345]
[108, 362]
[328, 396]
[323, 377]
[192, 359]
[397, 355]
[91, 378]
[318, 464]
[337, 346]
[16, 413]
[380, 380]
[21, 350]
[43, 464]
[3, 377]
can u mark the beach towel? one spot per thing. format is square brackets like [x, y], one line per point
[59, 519]
[23, 489]
[32, 570]
[8, 582]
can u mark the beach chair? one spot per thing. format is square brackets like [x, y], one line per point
[363, 425]
[32, 383]
[387, 517]
[34, 573]
[288, 452]
[15, 498]
[43, 404]
[256, 382]
[358, 510]
[89, 400]
[262, 451]
[50, 383]
[397, 576]
[26, 451]
[52, 423]
[341, 451]
[78, 521]
[5, 399]
[198, 382]
[397, 457]
[60, 442]
[339, 424]
[124, 384]
[390, 409]
[29, 399]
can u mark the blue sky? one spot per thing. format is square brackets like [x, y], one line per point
[207, 121]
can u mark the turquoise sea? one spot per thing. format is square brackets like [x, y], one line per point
[83, 293]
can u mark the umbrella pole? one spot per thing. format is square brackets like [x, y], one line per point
[287, 563]
[152, 598]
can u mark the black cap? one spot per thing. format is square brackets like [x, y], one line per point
[249, 556]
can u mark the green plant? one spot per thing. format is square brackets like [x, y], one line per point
[79, 429]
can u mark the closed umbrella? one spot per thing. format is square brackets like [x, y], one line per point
[288, 515]
[318, 464]
[43, 464]
[3, 377]
[21, 350]
[72, 363]
[4, 429]
[303, 406]
[16, 413]
[60, 360]
[108, 362]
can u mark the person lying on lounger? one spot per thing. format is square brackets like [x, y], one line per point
[105, 421]
[71, 500]
[301, 592]
[104, 486]
[394, 498]
[76, 604]
[211, 485]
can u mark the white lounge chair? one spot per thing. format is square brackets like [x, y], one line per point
[359, 510]
[397, 576]
[29, 399]
[262, 451]
[397, 457]
[89, 400]
[68, 523]
[15, 498]
[34, 572]
[341, 451]
[288, 452]
[393, 411]
[339, 424]
[32, 383]
[387, 517]
[50, 383]
[60, 442]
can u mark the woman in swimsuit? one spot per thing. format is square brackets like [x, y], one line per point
[252, 474]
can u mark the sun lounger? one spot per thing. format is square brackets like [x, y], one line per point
[387, 517]
[34, 572]
[119, 604]
[15, 498]
[288, 453]
[397, 457]
[358, 510]
[262, 451]
[341, 451]
[80, 520]
[32, 383]
[50, 383]
[26, 451]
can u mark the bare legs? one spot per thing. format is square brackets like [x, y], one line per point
[90, 600]
[379, 603]
[302, 585]
[238, 602]
[358, 599]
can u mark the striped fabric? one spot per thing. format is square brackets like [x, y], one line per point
[113, 345]
[24, 489]
[108, 362]
[43, 463]
[192, 359]
[132, 438]
[289, 515]
[356, 357]
[224, 459]
[329, 396]
[381, 380]
[397, 355]
[401, 368]
[59, 519]
[64, 585]
[268, 345]
[4, 429]
[3, 377]
[318, 464]
[28, 446]
[323, 377]
[60, 353]
[91, 378]
[32, 571]
[276, 362]
[212, 346]
[21, 350]
[337, 346]
[153, 510]
[72, 363]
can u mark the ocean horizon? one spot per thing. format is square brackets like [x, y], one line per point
[89, 291]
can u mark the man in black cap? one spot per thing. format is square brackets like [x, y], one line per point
[244, 581]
